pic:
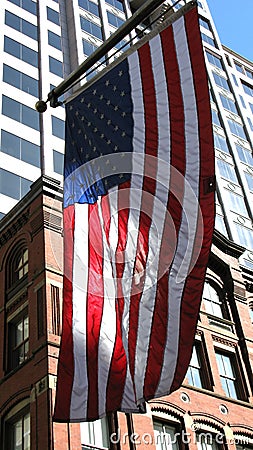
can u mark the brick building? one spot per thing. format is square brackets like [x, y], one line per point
[212, 410]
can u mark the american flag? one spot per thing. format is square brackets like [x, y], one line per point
[138, 224]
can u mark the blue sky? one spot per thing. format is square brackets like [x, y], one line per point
[234, 22]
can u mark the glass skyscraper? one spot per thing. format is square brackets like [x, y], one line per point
[41, 42]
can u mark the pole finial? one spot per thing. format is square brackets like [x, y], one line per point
[41, 106]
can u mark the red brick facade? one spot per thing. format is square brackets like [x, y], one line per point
[27, 379]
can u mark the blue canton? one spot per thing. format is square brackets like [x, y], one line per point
[99, 126]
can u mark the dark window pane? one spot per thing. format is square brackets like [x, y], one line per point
[9, 184]
[226, 170]
[228, 103]
[58, 162]
[221, 81]
[28, 5]
[30, 85]
[239, 67]
[12, 47]
[215, 60]
[88, 47]
[236, 202]
[249, 73]
[25, 186]
[116, 3]
[20, 80]
[204, 23]
[91, 27]
[220, 143]
[30, 153]
[89, 6]
[12, 21]
[245, 236]
[114, 20]
[29, 29]
[249, 179]
[30, 117]
[29, 56]
[237, 129]
[12, 185]
[54, 40]
[19, 112]
[53, 16]
[11, 76]
[20, 148]
[21, 25]
[11, 108]
[215, 118]
[10, 144]
[20, 51]
[208, 39]
[247, 89]
[58, 127]
[55, 66]
[244, 155]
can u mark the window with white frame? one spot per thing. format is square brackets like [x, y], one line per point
[194, 372]
[208, 441]
[166, 437]
[220, 143]
[226, 170]
[244, 235]
[236, 202]
[249, 179]
[221, 81]
[214, 59]
[237, 129]
[228, 104]
[228, 374]
[244, 154]
[95, 434]
[220, 224]
[212, 301]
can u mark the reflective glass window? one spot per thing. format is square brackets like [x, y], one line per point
[20, 80]
[20, 51]
[21, 25]
[53, 16]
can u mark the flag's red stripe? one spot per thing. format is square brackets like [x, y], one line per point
[117, 373]
[123, 216]
[174, 209]
[66, 358]
[105, 207]
[194, 285]
[95, 303]
[149, 183]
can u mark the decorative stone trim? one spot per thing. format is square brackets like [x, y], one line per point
[224, 341]
[14, 228]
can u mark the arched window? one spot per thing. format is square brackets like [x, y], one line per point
[17, 428]
[17, 266]
[212, 301]
[17, 319]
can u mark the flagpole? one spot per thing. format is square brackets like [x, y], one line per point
[144, 11]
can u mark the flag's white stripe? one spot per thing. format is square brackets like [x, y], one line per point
[187, 230]
[107, 334]
[160, 199]
[79, 397]
[135, 205]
